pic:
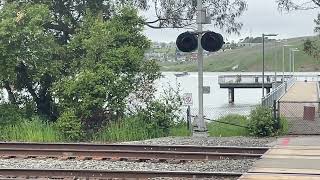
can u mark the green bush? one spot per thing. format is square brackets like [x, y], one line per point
[262, 123]
[228, 128]
[159, 117]
[10, 114]
[69, 126]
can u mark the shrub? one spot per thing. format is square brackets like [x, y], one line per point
[262, 122]
[159, 118]
[70, 126]
[10, 114]
[227, 126]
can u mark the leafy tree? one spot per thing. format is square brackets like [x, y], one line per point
[108, 70]
[68, 14]
[25, 67]
[96, 45]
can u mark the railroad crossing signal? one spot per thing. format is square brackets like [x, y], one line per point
[210, 41]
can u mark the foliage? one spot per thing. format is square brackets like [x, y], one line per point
[88, 56]
[180, 129]
[68, 14]
[26, 70]
[262, 123]
[128, 129]
[10, 114]
[107, 73]
[69, 126]
[283, 126]
[35, 130]
[159, 118]
[224, 128]
[311, 47]
[133, 128]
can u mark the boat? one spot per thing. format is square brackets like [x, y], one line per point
[181, 74]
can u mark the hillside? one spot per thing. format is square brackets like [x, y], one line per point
[250, 59]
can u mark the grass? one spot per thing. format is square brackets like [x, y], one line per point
[180, 129]
[284, 126]
[249, 59]
[34, 130]
[133, 129]
[226, 130]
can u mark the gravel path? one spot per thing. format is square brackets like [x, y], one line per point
[209, 141]
[218, 166]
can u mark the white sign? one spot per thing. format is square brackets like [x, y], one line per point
[206, 89]
[187, 99]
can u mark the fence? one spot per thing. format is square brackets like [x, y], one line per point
[250, 78]
[214, 113]
[277, 93]
[303, 117]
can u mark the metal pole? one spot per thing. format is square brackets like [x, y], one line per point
[282, 64]
[262, 65]
[200, 68]
[275, 61]
[293, 63]
[290, 64]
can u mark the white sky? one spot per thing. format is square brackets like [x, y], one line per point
[262, 16]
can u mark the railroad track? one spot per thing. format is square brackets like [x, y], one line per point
[127, 152]
[98, 174]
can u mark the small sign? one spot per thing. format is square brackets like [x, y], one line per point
[206, 89]
[187, 99]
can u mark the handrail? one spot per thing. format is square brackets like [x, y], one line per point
[278, 92]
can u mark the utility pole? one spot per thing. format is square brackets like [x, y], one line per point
[201, 125]
[283, 64]
[262, 66]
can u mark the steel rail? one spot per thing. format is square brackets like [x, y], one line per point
[123, 154]
[94, 174]
[131, 147]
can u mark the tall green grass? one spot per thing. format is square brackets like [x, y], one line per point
[35, 130]
[221, 129]
[180, 129]
[133, 129]
[130, 129]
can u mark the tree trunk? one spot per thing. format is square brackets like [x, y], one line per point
[42, 98]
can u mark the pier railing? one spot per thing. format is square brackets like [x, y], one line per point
[250, 79]
[278, 92]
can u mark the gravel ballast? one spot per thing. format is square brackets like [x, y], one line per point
[208, 141]
[210, 166]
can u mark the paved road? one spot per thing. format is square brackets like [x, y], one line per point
[301, 92]
[295, 158]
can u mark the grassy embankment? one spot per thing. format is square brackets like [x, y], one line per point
[249, 59]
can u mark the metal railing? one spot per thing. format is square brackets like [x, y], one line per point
[278, 92]
[307, 77]
[230, 79]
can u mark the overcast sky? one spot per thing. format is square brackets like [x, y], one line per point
[262, 16]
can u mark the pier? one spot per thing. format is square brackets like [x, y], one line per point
[232, 82]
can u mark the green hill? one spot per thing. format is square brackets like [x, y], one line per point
[250, 59]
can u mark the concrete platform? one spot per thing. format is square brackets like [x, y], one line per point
[290, 158]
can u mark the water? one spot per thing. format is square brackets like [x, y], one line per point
[216, 104]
